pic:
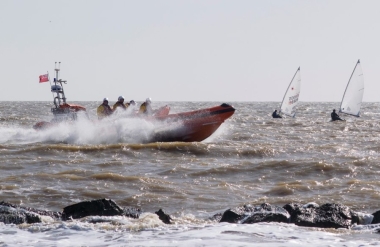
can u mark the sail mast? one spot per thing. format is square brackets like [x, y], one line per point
[340, 108]
[286, 92]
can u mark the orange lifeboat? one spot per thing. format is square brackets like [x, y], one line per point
[193, 126]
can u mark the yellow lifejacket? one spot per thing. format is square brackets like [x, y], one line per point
[103, 111]
[118, 104]
[143, 108]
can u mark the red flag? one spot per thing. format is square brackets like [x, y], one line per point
[44, 78]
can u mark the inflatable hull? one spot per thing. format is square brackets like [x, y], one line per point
[194, 126]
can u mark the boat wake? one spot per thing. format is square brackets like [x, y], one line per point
[115, 129]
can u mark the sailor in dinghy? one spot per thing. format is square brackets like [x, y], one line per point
[335, 116]
[290, 100]
[353, 95]
[276, 115]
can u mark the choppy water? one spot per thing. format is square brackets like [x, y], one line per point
[252, 158]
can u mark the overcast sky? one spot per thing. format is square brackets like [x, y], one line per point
[183, 50]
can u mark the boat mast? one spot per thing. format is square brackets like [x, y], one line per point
[58, 88]
[340, 108]
[56, 79]
[288, 89]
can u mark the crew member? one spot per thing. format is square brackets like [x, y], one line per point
[146, 107]
[335, 117]
[104, 109]
[130, 103]
[119, 103]
[276, 115]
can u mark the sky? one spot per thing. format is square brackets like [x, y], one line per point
[199, 50]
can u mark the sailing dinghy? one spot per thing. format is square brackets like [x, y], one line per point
[353, 95]
[290, 100]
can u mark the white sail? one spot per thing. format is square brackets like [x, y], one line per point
[290, 100]
[353, 96]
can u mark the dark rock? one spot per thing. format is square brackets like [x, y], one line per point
[248, 214]
[100, 207]
[132, 212]
[230, 216]
[54, 215]
[292, 209]
[359, 218]
[311, 205]
[376, 217]
[10, 215]
[326, 216]
[164, 217]
[354, 218]
[216, 217]
[304, 216]
[13, 214]
[311, 214]
[266, 213]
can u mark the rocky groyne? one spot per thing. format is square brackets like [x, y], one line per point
[329, 215]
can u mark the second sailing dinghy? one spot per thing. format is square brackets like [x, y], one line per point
[290, 100]
[353, 95]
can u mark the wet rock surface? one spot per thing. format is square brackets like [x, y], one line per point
[14, 214]
[376, 217]
[232, 215]
[249, 214]
[101, 207]
[329, 215]
[163, 217]
[359, 218]
[266, 213]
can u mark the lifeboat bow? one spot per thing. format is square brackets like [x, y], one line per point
[194, 126]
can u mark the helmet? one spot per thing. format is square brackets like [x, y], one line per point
[148, 100]
[105, 99]
[132, 102]
[120, 98]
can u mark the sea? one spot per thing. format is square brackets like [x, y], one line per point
[251, 159]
